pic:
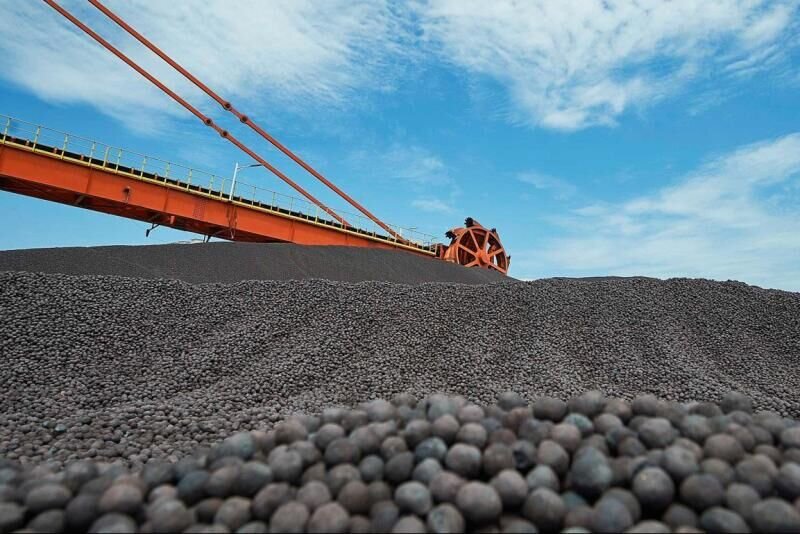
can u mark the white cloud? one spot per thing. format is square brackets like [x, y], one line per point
[411, 163]
[292, 53]
[432, 205]
[571, 64]
[412, 170]
[415, 164]
[566, 65]
[736, 217]
[768, 27]
[561, 189]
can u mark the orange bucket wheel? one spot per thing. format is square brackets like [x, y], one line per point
[476, 246]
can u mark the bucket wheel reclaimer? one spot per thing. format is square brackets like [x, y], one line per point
[475, 246]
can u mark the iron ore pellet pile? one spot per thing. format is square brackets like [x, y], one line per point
[115, 368]
[444, 464]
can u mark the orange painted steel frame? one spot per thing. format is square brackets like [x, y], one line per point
[226, 105]
[50, 176]
[203, 118]
[471, 246]
[241, 116]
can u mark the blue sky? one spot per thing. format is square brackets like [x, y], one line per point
[624, 138]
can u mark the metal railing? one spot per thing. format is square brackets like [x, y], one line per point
[94, 153]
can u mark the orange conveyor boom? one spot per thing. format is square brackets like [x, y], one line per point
[203, 118]
[207, 120]
[58, 174]
[239, 115]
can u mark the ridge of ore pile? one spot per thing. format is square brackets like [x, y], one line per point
[443, 464]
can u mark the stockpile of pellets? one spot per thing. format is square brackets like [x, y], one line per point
[444, 464]
[126, 369]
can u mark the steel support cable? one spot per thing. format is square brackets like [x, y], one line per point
[242, 117]
[206, 120]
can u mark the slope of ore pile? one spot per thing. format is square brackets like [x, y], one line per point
[121, 368]
[443, 464]
[233, 262]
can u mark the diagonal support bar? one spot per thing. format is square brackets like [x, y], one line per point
[243, 118]
[206, 120]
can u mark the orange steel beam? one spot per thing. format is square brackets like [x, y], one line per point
[242, 117]
[48, 173]
[206, 120]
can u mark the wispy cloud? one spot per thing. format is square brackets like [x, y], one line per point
[561, 189]
[294, 53]
[413, 169]
[566, 65]
[577, 63]
[412, 163]
[432, 205]
[418, 167]
[736, 217]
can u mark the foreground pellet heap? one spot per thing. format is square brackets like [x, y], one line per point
[443, 464]
[114, 388]
[121, 368]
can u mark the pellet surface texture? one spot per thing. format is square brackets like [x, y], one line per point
[156, 405]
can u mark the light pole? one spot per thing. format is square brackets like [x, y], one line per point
[236, 170]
